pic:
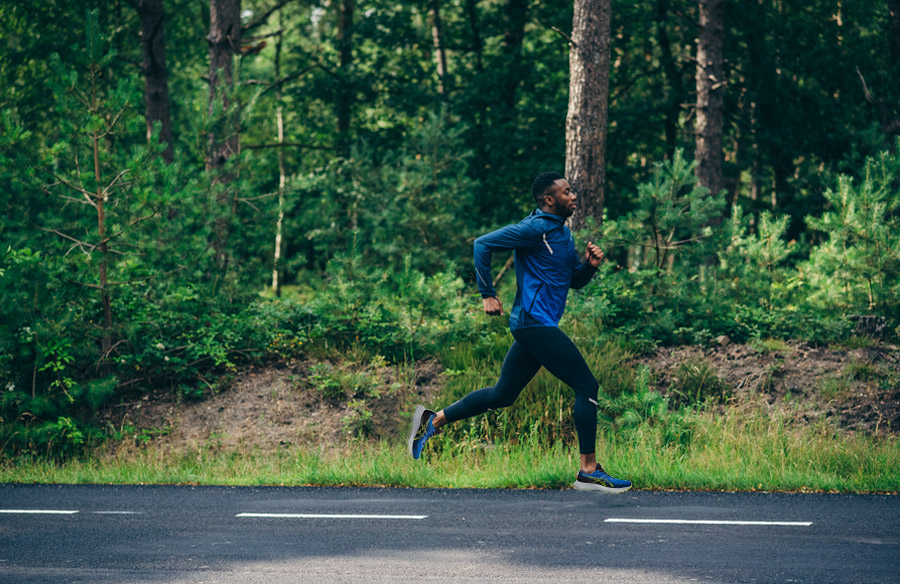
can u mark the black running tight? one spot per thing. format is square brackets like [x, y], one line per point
[536, 347]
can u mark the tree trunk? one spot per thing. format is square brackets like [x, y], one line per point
[439, 51]
[156, 79]
[99, 203]
[475, 29]
[892, 128]
[586, 122]
[763, 90]
[516, 17]
[710, 85]
[478, 107]
[224, 43]
[894, 33]
[344, 102]
[673, 77]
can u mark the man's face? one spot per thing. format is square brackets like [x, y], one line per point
[561, 198]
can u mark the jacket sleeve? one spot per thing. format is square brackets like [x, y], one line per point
[516, 236]
[581, 273]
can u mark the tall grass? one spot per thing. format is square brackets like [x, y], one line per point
[743, 451]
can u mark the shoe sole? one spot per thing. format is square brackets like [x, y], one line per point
[416, 424]
[580, 486]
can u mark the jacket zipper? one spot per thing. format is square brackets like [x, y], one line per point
[536, 292]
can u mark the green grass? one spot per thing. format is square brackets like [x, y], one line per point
[745, 450]
[770, 346]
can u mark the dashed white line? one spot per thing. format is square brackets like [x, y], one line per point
[709, 522]
[39, 511]
[327, 516]
[118, 513]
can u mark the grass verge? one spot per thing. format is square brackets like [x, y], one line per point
[694, 443]
[746, 450]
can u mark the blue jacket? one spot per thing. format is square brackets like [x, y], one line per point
[547, 265]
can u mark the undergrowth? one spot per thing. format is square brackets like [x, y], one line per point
[693, 442]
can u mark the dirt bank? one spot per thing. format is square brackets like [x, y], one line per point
[307, 401]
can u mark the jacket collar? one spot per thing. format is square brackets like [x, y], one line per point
[550, 216]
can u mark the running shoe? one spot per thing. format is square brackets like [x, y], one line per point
[422, 429]
[600, 480]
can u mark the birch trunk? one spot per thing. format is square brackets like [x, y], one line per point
[282, 175]
[439, 52]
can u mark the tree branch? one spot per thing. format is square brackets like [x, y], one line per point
[504, 269]
[81, 190]
[888, 128]
[559, 32]
[251, 39]
[78, 242]
[866, 92]
[87, 248]
[261, 19]
[278, 84]
[288, 145]
[132, 223]
[113, 183]
[74, 200]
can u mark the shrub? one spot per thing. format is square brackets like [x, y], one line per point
[696, 383]
[857, 268]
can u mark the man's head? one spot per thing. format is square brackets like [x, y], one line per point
[552, 193]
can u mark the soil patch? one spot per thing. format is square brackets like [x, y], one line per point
[320, 402]
[300, 402]
[859, 387]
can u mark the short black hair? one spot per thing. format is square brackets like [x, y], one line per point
[541, 183]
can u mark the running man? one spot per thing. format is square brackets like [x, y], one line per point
[547, 265]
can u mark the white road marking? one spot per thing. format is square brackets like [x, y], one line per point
[327, 516]
[38, 511]
[118, 513]
[709, 522]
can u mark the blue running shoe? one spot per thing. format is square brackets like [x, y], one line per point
[422, 429]
[599, 480]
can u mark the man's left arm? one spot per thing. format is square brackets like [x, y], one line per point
[584, 271]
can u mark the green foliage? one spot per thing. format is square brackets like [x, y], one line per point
[658, 295]
[408, 203]
[320, 375]
[753, 265]
[760, 288]
[613, 372]
[770, 346]
[858, 266]
[696, 383]
[837, 387]
[377, 236]
[357, 423]
[671, 211]
[400, 313]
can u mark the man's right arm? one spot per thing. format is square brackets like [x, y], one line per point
[516, 236]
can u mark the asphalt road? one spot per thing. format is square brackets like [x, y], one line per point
[106, 534]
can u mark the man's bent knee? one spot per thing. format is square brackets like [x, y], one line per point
[590, 392]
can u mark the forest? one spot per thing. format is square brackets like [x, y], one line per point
[189, 187]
